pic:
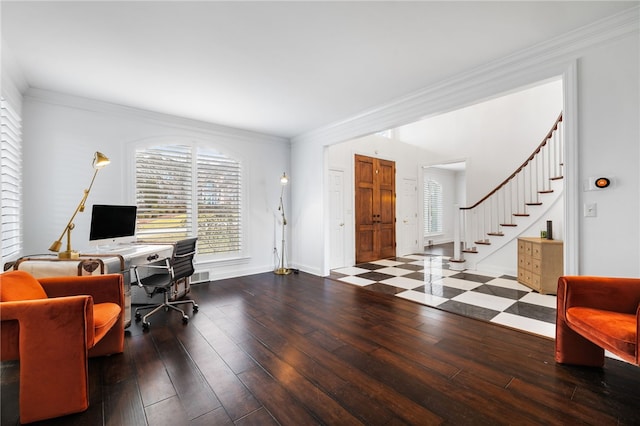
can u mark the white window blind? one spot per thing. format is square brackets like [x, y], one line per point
[432, 207]
[10, 182]
[164, 193]
[186, 191]
[219, 204]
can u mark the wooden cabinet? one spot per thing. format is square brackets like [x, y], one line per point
[540, 263]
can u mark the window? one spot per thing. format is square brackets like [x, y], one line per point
[189, 190]
[432, 206]
[385, 134]
[10, 183]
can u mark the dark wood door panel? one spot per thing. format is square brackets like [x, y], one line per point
[387, 242]
[387, 210]
[365, 243]
[364, 171]
[386, 174]
[364, 206]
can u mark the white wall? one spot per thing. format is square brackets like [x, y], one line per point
[461, 188]
[407, 158]
[60, 135]
[602, 110]
[609, 135]
[494, 137]
[308, 180]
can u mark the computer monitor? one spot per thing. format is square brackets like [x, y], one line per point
[112, 225]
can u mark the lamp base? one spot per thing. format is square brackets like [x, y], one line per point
[69, 254]
[282, 271]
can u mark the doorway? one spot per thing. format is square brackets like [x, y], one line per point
[375, 208]
[408, 230]
[443, 188]
[337, 221]
[442, 139]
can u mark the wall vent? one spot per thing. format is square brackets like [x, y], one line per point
[200, 277]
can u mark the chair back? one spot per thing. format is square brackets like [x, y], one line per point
[182, 260]
[20, 285]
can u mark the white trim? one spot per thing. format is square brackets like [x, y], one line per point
[534, 64]
[570, 171]
[545, 60]
[86, 104]
[12, 78]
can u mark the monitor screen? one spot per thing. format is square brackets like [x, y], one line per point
[112, 224]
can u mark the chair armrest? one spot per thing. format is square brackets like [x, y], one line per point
[55, 329]
[611, 294]
[166, 267]
[103, 288]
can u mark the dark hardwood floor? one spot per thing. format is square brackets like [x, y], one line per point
[301, 350]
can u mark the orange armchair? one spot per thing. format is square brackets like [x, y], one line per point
[594, 314]
[52, 325]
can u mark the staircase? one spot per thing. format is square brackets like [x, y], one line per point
[514, 205]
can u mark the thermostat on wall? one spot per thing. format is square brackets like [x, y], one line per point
[602, 182]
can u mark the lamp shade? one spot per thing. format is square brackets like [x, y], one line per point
[100, 160]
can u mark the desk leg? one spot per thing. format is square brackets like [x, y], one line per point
[127, 305]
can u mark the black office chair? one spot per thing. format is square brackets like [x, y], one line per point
[178, 267]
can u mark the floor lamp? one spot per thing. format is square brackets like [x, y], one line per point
[99, 161]
[282, 270]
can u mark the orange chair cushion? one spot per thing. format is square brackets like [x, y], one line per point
[614, 329]
[105, 315]
[20, 285]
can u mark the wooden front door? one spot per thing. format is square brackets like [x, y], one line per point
[375, 216]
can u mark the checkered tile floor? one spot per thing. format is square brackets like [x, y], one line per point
[427, 279]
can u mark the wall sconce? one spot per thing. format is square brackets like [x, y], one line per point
[282, 270]
[99, 161]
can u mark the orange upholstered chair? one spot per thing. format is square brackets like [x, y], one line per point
[594, 314]
[52, 325]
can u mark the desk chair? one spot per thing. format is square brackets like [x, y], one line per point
[178, 267]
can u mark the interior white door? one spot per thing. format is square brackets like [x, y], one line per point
[410, 236]
[336, 207]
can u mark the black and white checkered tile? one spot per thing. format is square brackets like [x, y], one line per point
[427, 279]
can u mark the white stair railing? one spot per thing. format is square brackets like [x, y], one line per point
[500, 208]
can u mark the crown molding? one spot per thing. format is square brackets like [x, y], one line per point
[12, 81]
[172, 121]
[544, 60]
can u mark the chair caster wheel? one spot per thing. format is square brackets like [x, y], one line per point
[195, 308]
[185, 319]
[145, 326]
[138, 317]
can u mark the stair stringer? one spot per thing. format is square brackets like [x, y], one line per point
[536, 213]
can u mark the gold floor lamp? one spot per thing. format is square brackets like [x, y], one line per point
[99, 161]
[282, 270]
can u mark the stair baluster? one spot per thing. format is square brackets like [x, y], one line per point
[486, 219]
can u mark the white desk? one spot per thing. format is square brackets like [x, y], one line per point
[116, 261]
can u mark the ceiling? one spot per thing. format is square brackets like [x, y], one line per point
[279, 68]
